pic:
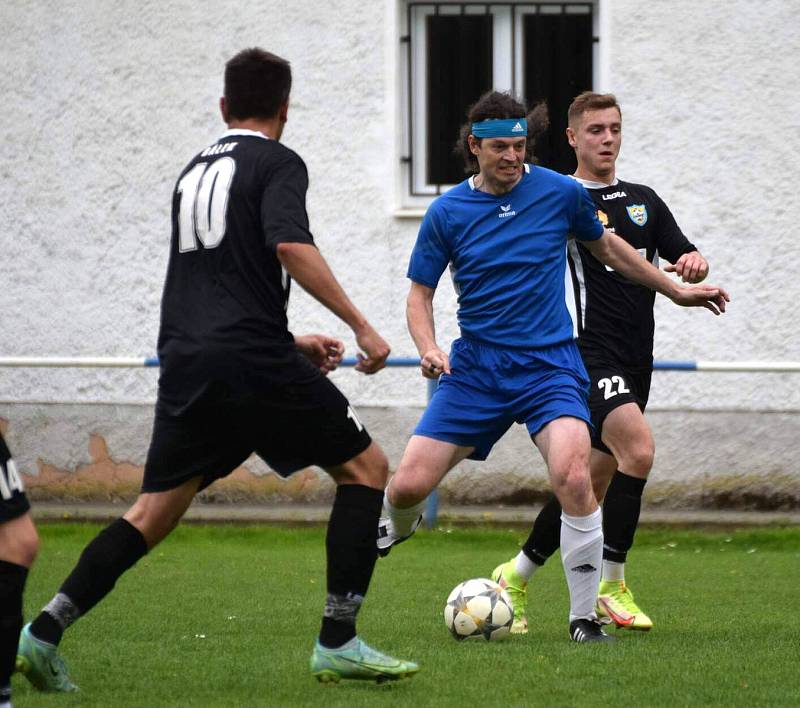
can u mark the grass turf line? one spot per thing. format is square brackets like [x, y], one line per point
[226, 616]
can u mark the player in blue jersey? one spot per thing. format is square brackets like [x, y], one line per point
[504, 234]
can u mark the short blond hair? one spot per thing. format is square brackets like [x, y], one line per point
[590, 101]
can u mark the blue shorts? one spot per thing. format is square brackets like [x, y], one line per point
[490, 388]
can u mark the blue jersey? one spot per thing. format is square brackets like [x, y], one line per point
[507, 256]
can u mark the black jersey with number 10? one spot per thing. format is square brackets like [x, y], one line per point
[615, 316]
[223, 310]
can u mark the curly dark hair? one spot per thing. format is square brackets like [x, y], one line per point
[500, 105]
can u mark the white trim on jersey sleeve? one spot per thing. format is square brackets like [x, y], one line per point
[574, 255]
[569, 299]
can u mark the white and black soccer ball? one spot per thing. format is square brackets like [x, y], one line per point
[479, 609]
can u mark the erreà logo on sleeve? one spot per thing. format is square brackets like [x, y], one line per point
[505, 211]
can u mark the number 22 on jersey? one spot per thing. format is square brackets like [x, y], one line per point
[203, 194]
[613, 386]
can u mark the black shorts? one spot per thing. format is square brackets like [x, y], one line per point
[292, 426]
[13, 502]
[612, 386]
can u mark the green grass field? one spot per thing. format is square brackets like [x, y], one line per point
[226, 616]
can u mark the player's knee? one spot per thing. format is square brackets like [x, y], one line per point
[370, 468]
[155, 523]
[27, 547]
[637, 460]
[19, 541]
[374, 470]
[576, 482]
[573, 486]
[30, 547]
[381, 470]
[405, 490]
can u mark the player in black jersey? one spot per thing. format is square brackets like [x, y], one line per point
[235, 381]
[615, 327]
[19, 544]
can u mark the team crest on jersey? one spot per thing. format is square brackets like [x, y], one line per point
[602, 217]
[638, 214]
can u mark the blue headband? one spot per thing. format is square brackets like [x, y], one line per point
[501, 128]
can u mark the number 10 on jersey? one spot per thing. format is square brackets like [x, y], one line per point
[203, 194]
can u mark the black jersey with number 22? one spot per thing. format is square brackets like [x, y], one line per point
[615, 315]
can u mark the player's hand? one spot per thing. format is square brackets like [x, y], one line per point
[709, 296]
[324, 352]
[691, 267]
[375, 350]
[434, 363]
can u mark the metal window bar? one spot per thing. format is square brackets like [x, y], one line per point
[408, 38]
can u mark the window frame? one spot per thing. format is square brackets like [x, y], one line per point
[507, 71]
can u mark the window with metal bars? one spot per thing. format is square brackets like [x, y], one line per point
[456, 51]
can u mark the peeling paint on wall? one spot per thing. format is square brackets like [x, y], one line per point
[703, 461]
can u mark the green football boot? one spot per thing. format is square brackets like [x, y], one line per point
[357, 660]
[41, 664]
[506, 577]
[615, 601]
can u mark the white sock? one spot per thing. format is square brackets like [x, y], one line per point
[402, 519]
[525, 567]
[582, 557]
[613, 571]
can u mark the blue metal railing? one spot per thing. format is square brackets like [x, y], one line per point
[396, 362]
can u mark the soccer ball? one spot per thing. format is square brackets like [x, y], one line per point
[479, 609]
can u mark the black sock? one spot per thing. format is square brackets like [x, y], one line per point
[352, 553]
[115, 549]
[545, 536]
[621, 509]
[12, 583]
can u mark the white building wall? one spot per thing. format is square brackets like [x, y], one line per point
[710, 101]
[106, 101]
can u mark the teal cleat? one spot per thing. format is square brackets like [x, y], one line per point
[42, 664]
[357, 660]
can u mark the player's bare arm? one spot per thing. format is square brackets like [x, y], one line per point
[324, 352]
[419, 315]
[690, 267]
[616, 253]
[311, 271]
